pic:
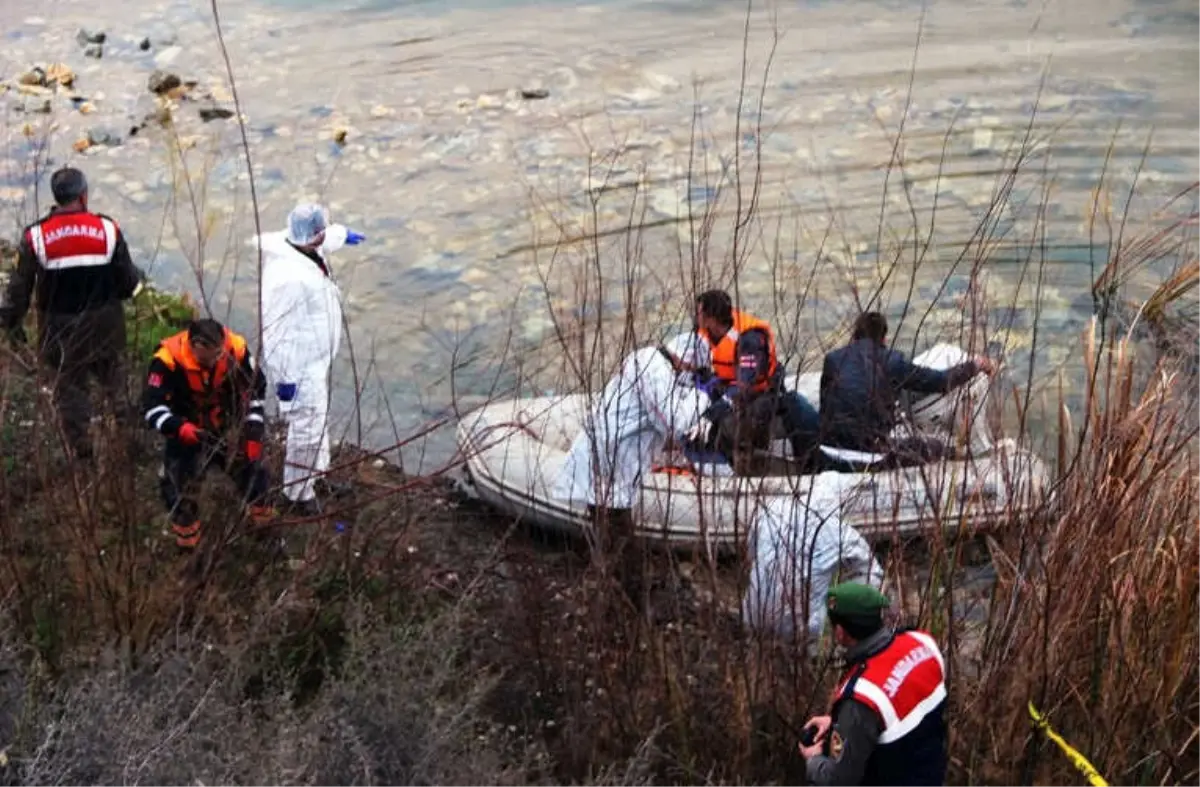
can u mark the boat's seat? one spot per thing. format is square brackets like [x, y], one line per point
[845, 460]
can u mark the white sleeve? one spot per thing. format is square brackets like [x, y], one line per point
[335, 238]
[673, 408]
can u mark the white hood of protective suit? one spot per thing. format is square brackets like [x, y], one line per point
[301, 309]
[691, 348]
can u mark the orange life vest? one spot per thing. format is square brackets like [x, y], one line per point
[205, 384]
[724, 352]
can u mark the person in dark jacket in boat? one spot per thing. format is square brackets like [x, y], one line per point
[886, 723]
[75, 267]
[862, 382]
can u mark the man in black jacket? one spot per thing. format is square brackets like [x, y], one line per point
[861, 384]
[79, 266]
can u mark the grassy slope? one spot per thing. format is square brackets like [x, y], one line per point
[432, 643]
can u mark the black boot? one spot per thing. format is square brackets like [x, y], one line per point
[326, 487]
[298, 508]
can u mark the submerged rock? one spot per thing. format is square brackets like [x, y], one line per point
[103, 136]
[36, 105]
[163, 81]
[34, 77]
[86, 37]
[59, 74]
[215, 113]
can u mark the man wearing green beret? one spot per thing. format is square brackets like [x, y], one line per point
[886, 723]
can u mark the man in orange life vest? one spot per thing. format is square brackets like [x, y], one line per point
[886, 725]
[744, 360]
[199, 382]
[78, 264]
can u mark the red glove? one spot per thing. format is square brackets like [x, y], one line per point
[253, 450]
[189, 434]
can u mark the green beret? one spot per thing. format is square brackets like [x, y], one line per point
[853, 600]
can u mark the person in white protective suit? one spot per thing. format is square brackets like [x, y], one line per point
[648, 402]
[302, 332]
[799, 547]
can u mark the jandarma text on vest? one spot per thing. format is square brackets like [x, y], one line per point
[74, 230]
[905, 666]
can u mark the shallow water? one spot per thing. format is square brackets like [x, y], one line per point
[462, 186]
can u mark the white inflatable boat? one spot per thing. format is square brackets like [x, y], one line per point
[514, 449]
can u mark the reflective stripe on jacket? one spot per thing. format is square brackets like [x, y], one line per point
[904, 685]
[74, 250]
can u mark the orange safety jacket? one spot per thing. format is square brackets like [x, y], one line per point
[179, 389]
[176, 350]
[724, 352]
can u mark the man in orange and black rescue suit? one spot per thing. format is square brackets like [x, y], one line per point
[201, 382]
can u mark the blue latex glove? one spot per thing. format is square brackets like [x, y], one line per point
[353, 238]
[285, 391]
[709, 383]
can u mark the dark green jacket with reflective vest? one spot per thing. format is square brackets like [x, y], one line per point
[74, 261]
[888, 714]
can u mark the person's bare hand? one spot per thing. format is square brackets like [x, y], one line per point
[985, 365]
[808, 752]
[822, 723]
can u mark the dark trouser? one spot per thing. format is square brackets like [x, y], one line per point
[184, 467]
[74, 349]
[800, 420]
[802, 425]
[624, 551]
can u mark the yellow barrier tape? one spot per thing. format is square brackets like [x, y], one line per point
[1077, 759]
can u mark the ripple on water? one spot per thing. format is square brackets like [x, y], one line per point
[819, 101]
[433, 274]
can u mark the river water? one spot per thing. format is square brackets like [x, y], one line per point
[494, 150]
